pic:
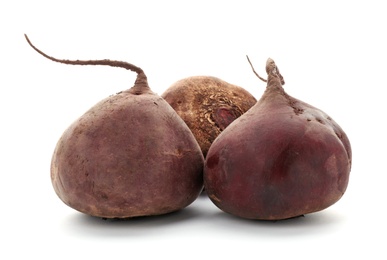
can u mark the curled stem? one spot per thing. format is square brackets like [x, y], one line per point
[252, 67]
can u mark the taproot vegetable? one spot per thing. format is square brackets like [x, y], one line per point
[129, 155]
[281, 159]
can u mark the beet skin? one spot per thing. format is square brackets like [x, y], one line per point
[130, 155]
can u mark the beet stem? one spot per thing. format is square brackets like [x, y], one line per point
[141, 77]
[252, 67]
[272, 70]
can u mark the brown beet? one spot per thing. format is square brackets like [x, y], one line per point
[208, 105]
[281, 159]
[129, 155]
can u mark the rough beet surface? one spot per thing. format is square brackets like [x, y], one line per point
[208, 105]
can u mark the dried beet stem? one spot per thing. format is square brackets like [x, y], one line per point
[141, 77]
[271, 69]
[252, 67]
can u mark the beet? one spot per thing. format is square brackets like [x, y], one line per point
[129, 155]
[281, 159]
[208, 105]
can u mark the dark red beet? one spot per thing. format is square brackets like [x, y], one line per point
[129, 155]
[281, 159]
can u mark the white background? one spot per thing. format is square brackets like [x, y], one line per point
[332, 55]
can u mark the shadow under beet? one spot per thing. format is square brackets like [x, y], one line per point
[315, 223]
[85, 225]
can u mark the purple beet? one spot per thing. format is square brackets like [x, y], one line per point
[281, 159]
